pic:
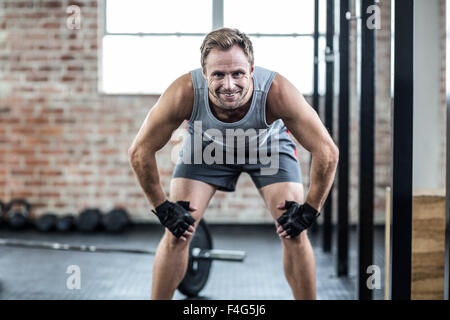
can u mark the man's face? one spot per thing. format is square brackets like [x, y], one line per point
[229, 76]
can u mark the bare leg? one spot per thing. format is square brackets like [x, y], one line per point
[298, 256]
[172, 254]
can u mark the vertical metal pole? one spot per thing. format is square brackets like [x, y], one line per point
[447, 172]
[217, 15]
[343, 170]
[402, 150]
[447, 201]
[316, 57]
[316, 102]
[366, 152]
[329, 97]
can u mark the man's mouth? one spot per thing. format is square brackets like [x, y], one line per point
[229, 96]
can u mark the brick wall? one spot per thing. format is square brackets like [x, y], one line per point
[63, 145]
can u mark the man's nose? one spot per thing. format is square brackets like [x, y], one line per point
[228, 82]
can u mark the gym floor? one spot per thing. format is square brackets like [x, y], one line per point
[41, 274]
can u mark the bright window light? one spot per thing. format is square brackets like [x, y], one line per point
[148, 44]
[168, 16]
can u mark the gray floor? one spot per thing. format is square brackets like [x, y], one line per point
[41, 274]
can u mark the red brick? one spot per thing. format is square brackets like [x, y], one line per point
[110, 151]
[36, 78]
[18, 4]
[67, 57]
[16, 172]
[21, 69]
[22, 151]
[50, 173]
[49, 152]
[51, 25]
[22, 194]
[47, 111]
[36, 15]
[76, 3]
[35, 141]
[22, 130]
[76, 48]
[68, 79]
[37, 162]
[34, 121]
[49, 195]
[51, 130]
[75, 68]
[35, 57]
[35, 183]
[9, 120]
[39, 205]
[51, 4]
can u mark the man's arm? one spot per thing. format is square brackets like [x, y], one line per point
[173, 107]
[287, 103]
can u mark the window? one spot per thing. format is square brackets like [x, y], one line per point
[148, 44]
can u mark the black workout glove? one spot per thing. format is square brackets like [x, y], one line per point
[174, 216]
[297, 218]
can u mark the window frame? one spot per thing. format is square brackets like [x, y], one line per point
[217, 17]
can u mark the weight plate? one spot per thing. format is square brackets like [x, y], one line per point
[197, 273]
[89, 220]
[65, 223]
[46, 222]
[116, 220]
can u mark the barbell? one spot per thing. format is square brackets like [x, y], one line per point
[201, 255]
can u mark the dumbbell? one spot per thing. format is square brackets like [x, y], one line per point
[46, 222]
[89, 220]
[18, 213]
[65, 223]
[115, 220]
[2, 211]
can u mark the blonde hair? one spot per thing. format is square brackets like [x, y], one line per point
[223, 39]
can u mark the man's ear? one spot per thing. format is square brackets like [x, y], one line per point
[204, 74]
[252, 70]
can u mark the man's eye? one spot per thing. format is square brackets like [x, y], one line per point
[238, 73]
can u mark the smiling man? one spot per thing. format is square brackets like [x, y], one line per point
[245, 112]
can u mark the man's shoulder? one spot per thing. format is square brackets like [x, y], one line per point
[182, 87]
[276, 86]
[179, 96]
[277, 97]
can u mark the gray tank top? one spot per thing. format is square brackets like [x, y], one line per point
[252, 129]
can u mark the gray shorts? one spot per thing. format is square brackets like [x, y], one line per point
[225, 176]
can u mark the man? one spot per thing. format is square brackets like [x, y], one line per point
[226, 95]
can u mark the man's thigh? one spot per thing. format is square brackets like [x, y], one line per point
[277, 193]
[198, 193]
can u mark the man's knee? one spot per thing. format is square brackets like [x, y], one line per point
[299, 241]
[174, 243]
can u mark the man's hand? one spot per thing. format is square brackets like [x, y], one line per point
[297, 218]
[176, 218]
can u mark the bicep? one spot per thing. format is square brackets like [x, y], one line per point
[300, 118]
[308, 129]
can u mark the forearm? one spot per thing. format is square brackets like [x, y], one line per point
[323, 170]
[146, 170]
